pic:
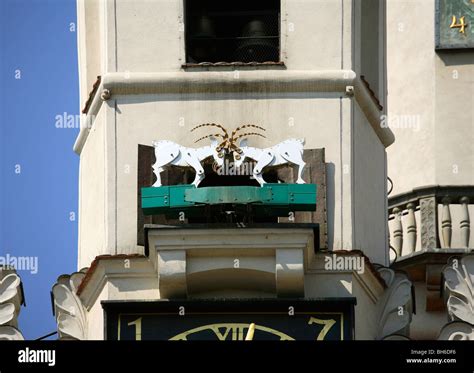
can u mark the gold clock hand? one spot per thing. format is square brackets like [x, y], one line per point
[250, 332]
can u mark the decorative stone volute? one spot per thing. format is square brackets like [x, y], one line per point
[70, 313]
[459, 294]
[11, 299]
[395, 308]
[457, 331]
[458, 288]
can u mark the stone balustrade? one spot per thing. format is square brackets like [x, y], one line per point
[432, 217]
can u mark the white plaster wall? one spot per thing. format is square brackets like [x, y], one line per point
[109, 160]
[148, 39]
[92, 194]
[368, 45]
[369, 193]
[136, 288]
[436, 90]
[145, 36]
[411, 85]
[454, 121]
[141, 119]
[150, 35]
[312, 33]
[438, 147]
[95, 317]
[90, 41]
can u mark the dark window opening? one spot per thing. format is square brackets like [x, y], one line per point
[225, 178]
[224, 31]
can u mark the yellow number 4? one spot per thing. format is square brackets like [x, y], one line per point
[461, 25]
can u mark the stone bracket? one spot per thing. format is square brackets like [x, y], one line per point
[434, 302]
[289, 273]
[172, 273]
[265, 261]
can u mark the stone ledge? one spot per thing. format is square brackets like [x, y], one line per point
[108, 267]
[261, 259]
[343, 82]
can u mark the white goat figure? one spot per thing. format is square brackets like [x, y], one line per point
[171, 153]
[288, 151]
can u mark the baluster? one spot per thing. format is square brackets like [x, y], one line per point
[465, 224]
[446, 224]
[398, 231]
[429, 223]
[411, 228]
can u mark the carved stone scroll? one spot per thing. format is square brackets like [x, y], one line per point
[395, 307]
[70, 313]
[11, 298]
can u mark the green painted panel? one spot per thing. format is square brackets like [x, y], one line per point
[454, 24]
[154, 202]
[235, 194]
[155, 192]
[177, 193]
[270, 199]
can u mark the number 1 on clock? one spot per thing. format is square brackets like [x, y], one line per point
[138, 328]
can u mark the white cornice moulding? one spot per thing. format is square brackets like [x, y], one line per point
[226, 81]
[193, 261]
[114, 268]
[372, 113]
[368, 281]
[261, 81]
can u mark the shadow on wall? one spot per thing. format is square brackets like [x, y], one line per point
[330, 201]
[456, 57]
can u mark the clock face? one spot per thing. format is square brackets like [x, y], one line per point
[240, 320]
[233, 332]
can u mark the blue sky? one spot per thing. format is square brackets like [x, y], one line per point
[39, 170]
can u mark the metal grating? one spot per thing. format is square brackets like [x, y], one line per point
[245, 32]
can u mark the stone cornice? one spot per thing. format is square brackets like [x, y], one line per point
[107, 267]
[370, 280]
[269, 82]
[191, 261]
[454, 192]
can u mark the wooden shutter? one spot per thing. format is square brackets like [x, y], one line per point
[315, 173]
